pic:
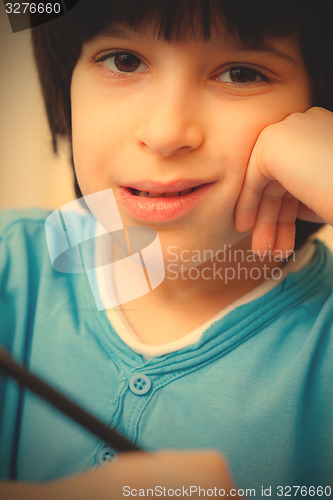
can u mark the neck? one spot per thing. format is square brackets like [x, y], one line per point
[229, 273]
[191, 294]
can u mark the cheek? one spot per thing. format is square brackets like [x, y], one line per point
[236, 133]
[233, 141]
[89, 129]
[100, 133]
[92, 135]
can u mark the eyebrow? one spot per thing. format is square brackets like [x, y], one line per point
[266, 48]
[119, 32]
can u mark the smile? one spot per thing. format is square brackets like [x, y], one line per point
[157, 203]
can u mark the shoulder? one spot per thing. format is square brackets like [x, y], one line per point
[313, 291]
[298, 313]
[312, 285]
[22, 248]
[15, 221]
[312, 314]
[22, 242]
[320, 277]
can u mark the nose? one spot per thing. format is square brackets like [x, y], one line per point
[171, 125]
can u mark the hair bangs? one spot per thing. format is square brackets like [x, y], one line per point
[175, 20]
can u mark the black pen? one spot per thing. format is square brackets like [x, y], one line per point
[36, 385]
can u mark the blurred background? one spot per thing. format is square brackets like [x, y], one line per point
[30, 174]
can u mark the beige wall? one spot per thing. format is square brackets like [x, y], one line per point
[29, 172]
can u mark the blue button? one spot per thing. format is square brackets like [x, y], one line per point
[140, 384]
[105, 455]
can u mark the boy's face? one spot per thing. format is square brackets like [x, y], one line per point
[165, 117]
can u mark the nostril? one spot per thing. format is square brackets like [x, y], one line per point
[169, 139]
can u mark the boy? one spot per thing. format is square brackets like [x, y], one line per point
[201, 120]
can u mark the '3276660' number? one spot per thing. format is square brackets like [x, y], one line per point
[33, 8]
[304, 491]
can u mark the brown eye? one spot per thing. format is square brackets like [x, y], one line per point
[120, 63]
[242, 75]
[126, 63]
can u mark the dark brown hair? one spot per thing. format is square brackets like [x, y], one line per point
[57, 44]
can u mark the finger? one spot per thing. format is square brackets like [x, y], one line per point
[285, 230]
[269, 209]
[250, 197]
[263, 238]
[274, 230]
[284, 239]
[255, 187]
[247, 208]
[264, 230]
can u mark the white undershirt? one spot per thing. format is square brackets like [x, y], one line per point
[125, 331]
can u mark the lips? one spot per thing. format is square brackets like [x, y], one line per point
[154, 202]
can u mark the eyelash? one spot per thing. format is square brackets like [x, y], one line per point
[248, 68]
[110, 56]
[126, 74]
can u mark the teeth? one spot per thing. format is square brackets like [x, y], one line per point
[155, 195]
[147, 194]
[180, 193]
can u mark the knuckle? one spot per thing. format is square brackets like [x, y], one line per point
[218, 461]
[315, 110]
